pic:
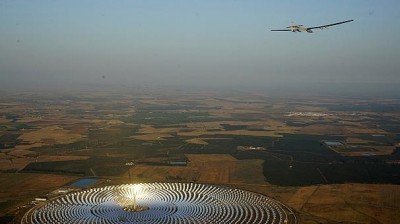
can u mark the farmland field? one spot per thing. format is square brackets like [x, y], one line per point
[273, 146]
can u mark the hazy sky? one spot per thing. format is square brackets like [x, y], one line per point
[197, 42]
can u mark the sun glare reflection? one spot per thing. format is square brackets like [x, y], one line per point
[128, 198]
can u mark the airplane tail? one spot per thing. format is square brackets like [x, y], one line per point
[291, 26]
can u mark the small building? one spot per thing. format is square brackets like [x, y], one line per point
[41, 199]
[63, 191]
[333, 143]
[177, 163]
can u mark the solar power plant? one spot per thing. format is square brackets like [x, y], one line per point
[161, 203]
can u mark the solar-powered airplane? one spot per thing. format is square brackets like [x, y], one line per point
[301, 28]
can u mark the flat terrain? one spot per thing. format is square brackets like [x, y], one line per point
[349, 203]
[210, 168]
[48, 140]
[19, 189]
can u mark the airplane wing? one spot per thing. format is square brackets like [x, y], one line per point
[328, 25]
[282, 30]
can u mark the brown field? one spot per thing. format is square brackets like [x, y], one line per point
[203, 158]
[61, 158]
[20, 153]
[198, 141]
[301, 197]
[213, 168]
[384, 150]
[325, 129]
[8, 162]
[364, 130]
[19, 189]
[210, 168]
[50, 136]
[13, 164]
[143, 173]
[373, 149]
[353, 203]
[357, 141]
[30, 146]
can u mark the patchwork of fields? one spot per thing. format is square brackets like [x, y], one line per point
[49, 140]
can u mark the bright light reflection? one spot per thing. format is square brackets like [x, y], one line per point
[128, 199]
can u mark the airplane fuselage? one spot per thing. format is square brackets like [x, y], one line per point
[300, 29]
